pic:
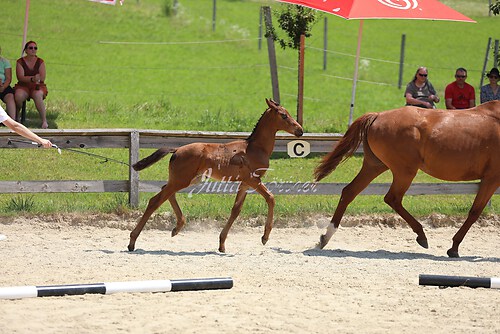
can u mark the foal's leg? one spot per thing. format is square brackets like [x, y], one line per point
[235, 211]
[394, 197]
[181, 220]
[154, 203]
[366, 175]
[486, 190]
[269, 197]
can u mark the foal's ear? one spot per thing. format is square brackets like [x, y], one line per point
[271, 103]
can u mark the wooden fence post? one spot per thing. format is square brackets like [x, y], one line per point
[401, 60]
[272, 54]
[133, 197]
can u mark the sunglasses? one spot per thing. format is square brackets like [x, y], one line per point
[422, 75]
[460, 76]
[32, 48]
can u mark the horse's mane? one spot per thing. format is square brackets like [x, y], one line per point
[252, 135]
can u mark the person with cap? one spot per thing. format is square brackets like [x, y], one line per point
[490, 91]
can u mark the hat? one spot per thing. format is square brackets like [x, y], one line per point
[494, 71]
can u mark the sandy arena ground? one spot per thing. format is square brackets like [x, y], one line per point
[364, 281]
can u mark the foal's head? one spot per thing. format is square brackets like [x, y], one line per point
[283, 119]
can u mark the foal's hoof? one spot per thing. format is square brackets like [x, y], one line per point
[452, 253]
[422, 241]
[174, 232]
[322, 241]
[264, 240]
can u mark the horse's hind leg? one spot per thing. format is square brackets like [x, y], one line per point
[394, 198]
[235, 211]
[154, 203]
[181, 220]
[486, 190]
[368, 172]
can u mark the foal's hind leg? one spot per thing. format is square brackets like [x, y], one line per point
[154, 203]
[486, 190]
[366, 175]
[181, 220]
[394, 198]
[235, 211]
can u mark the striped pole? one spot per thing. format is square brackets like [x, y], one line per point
[17, 292]
[456, 281]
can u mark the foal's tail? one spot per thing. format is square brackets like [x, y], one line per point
[153, 158]
[346, 147]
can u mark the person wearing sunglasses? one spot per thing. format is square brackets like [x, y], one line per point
[6, 91]
[491, 91]
[30, 71]
[420, 92]
[459, 94]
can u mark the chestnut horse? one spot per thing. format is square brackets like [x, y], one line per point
[452, 145]
[241, 160]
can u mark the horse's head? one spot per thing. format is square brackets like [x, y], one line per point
[283, 119]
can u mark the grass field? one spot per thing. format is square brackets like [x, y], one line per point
[134, 66]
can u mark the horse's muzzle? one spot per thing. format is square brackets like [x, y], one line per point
[299, 132]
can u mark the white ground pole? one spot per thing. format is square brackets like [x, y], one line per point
[457, 281]
[18, 292]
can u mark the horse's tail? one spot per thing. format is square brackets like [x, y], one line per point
[346, 147]
[153, 158]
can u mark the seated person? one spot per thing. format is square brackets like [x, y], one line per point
[459, 94]
[420, 92]
[30, 71]
[6, 91]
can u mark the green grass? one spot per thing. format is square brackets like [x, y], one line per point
[135, 67]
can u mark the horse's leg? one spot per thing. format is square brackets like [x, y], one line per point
[257, 184]
[486, 190]
[394, 198]
[235, 211]
[366, 175]
[181, 220]
[154, 203]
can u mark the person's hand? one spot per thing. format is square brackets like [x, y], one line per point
[46, 143]
[428, 104]
[37, 78]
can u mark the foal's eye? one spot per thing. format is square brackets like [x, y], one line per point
[284, 116]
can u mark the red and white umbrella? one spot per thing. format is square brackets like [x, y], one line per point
[385, 9]
[381, 9]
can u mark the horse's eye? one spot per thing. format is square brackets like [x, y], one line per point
[284, 116]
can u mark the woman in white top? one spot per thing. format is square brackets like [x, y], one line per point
[22, 130]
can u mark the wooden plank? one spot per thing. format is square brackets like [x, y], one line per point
[218, 187]
[119, 138]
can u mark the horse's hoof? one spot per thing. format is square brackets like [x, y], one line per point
[322, 241]
[131, 248]
[452, 253]
[222, 249]
[264, 240]
[423, 242]
[174, 232]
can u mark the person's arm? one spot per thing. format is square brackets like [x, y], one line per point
[26, 133]
[482, 97]
[8, 79]
[20, 73]
[449, 105]
[472, 103]
[42, 72]
[413, 101]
